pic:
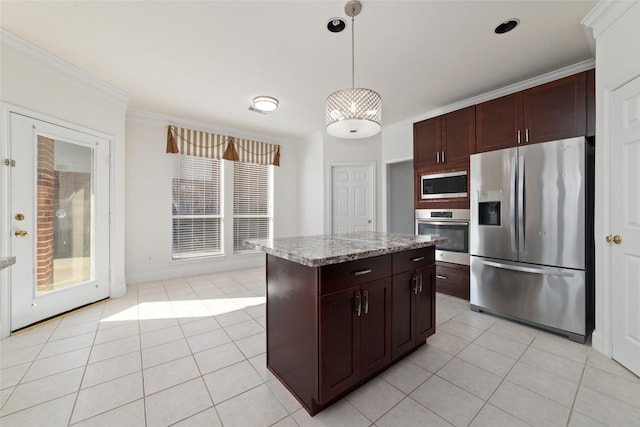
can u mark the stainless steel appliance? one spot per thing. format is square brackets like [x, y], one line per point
[531, 239]
[444, 185]
[450, 223]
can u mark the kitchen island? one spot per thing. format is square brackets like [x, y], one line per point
[342, 308]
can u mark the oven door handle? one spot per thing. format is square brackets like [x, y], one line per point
[422, 221]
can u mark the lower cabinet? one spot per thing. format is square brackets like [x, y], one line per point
[452, 279]
[331, 328]
[413, 310]
[355, 337]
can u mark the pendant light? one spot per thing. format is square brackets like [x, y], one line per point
[355, 112]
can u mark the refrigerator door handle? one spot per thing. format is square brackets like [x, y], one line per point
[534, 270]
[521, 206]
[512, 203]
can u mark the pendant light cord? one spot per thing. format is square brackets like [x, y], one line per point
[353, 49]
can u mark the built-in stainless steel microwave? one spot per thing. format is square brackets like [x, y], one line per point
[444, 185]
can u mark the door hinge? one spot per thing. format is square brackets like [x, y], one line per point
[9, 162]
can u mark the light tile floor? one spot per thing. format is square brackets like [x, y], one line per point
[191, 352]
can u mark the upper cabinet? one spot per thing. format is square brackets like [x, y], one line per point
[444, 142]
[555, 110]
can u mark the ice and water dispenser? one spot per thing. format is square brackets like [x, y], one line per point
[489, 207]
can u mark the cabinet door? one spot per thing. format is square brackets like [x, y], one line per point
[375, 326]
[425, 304]
[458, 136]
[426, 143]
[453, 279]
[339, 343]
[556, 110]
[403, 319]
[498, 122]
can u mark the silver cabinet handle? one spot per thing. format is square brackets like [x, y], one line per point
[358, 304]
[420, 258]
[438, 157]
[361, 272]
[414, 279]
[441, 277]
[526, 135]
[443, 157]
[519, 137]
[365, 297]
[419, 282]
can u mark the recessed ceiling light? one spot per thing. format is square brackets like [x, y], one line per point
[265, 104]
[507, 26]
[335, 25]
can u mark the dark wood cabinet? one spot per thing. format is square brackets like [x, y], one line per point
[355, 336]
[452, 279]
[413, 295]
[591, 102]
[444, 142]
[331, 328]
[555, 110]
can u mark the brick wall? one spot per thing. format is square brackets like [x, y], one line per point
[45, 209]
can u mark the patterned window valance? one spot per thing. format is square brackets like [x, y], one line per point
[203, 144]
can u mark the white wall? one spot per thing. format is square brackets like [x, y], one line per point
[148, 195]
[46, 86]
[311, 185]
[617, 62]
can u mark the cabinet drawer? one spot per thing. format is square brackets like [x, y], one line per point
[410, 260]
[452, 280]
[336, 277]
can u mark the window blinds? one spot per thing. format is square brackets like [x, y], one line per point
[252, 204]
[196, 205]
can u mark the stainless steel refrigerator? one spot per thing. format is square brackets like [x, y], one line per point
[531, 235]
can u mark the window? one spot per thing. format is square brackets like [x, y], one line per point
[197, 207]
[252, 206]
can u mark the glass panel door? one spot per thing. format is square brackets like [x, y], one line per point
[59, 219]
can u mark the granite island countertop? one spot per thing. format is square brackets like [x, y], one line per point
[316, 251]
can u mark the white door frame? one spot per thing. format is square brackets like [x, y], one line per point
[5, 197]
[329, 196]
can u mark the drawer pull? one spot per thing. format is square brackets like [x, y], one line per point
[441, 277]
[361, 272]
[358, 304]
[420, 258]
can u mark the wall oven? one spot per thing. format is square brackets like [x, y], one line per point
[450, 223]
[443, 185]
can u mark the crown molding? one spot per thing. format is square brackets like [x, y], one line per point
[605, 13]
[507, 90]
[38, 57]
[164, 120]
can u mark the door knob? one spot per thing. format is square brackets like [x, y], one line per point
[21, 233]
[617, 239]
[19, 217]
[369, 222]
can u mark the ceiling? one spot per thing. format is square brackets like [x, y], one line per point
[206, 60]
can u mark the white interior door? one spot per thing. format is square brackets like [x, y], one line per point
[625, 223]
[60, 219]
[352, 198]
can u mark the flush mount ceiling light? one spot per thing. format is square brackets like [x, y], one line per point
[507, 26]
[265, 104]
[355, 112]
